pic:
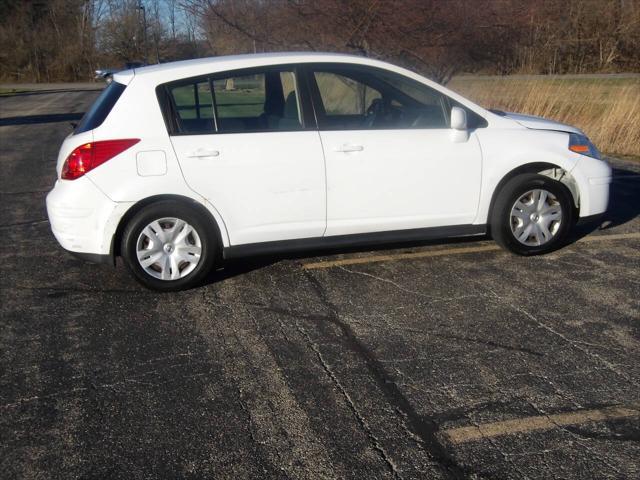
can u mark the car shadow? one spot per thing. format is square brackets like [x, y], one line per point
[240, 266]
[624, 204]
[624, 197]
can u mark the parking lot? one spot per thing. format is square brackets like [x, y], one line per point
[432, 360]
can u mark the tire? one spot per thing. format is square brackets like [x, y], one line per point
[532, 215]
[168, 236]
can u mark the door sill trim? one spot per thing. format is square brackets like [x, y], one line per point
[352, 240]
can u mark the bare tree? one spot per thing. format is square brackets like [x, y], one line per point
[45, 40]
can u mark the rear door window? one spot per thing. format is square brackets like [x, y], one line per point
[100, 108]
[263, 101]
[240, 97]
[245, 101]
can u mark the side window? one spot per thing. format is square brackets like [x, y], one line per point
[193, 107]
[343, 95]
[258, 102]
[239, 97]
[424, 107]
[367, 98]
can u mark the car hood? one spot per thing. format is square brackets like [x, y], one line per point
[539, 123]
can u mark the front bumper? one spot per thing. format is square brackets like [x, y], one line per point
[82, 218]
[594, 179]
[598, 192]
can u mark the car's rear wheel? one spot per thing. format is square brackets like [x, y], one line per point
[532, 215]
[169, 246]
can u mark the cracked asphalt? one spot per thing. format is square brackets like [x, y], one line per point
[461, 361]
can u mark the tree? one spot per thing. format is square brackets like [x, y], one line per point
[435, 37]
[48, 40]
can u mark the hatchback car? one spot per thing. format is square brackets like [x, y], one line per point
[179, 166]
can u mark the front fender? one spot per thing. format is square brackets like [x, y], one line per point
[506, 151]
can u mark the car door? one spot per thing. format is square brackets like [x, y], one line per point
[392, 162]
[244, 144]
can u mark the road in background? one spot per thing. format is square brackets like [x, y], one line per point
[434, 360]
[51, 87]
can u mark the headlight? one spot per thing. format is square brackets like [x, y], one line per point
[582, 145]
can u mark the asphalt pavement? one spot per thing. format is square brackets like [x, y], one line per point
[438, 360]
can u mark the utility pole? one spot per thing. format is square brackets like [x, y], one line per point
[144, 29]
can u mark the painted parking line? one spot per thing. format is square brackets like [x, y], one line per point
[602, 238]
[400, 256]
[446, 252]
[539, 422]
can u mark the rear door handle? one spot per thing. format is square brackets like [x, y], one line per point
[201, 152]
[349, 148]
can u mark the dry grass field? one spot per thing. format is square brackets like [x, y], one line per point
[606, 108]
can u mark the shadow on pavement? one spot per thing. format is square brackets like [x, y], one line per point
[624, 204]
[240, 266]
[624, 197]
[48, 92]
[47, 118]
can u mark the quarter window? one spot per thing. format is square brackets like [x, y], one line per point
[193, 107]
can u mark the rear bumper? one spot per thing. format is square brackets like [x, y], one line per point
[82, 218]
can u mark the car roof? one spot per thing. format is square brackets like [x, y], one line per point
[187, 68]
[153, 75]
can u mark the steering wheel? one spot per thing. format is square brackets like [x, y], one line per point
[418, 120]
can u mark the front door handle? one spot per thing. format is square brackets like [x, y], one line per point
[202, 152]
[349, 148]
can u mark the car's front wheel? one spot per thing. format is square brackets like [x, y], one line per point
[168, 246]
[532, 215]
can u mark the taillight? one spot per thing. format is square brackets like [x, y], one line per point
[90, 155]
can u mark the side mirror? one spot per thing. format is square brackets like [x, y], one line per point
[458, 118]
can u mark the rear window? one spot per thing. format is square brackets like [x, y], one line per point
[101, 108]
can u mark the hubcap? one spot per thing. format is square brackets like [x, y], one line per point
[535, 217]
[168, 249]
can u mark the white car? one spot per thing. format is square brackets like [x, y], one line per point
[178, 166]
